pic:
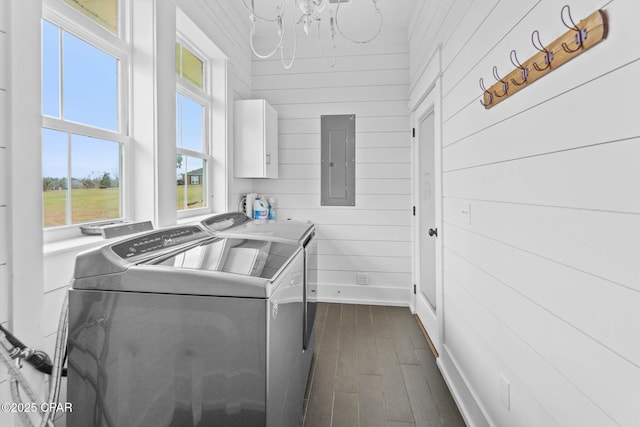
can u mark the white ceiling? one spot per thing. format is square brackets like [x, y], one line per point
[358, 14]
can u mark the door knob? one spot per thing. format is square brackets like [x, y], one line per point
[433, 232]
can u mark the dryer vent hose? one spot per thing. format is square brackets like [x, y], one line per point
[36, 358]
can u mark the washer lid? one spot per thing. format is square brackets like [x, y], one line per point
[239, 256]
[237, 225]
[288, 231]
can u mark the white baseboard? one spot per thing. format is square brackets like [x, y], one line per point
[363, 294]
[468, 404]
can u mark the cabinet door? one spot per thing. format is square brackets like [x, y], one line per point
[271, 142]
[256, 139]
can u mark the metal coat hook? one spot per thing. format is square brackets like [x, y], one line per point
[484, 90]
[572, 43]
[505, 84]
[523, 70]
[581, 34]
[548, 55]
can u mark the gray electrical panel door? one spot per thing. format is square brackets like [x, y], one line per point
[338, 165]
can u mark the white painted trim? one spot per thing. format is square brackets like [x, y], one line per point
[73, 22]
[84, 130]
[216, 99]
[24, 204]
[430, 101]
[372, 295]
[433, 320]
[80, 25]
[425, 82]
[467, 401]
[164, 41]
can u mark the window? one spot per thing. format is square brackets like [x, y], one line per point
[104, 12]
[189, 66]
[83, 109]
[192, 140]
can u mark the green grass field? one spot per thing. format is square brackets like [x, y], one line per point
[95, 204]
[195, 197]
[91, 204]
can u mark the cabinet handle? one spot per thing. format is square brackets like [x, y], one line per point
[268, 158]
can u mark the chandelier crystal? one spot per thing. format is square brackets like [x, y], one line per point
[305, 13]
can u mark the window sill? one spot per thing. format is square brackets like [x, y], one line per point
[74, 244]
[83, 242]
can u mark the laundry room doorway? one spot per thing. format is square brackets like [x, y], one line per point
[427, 198]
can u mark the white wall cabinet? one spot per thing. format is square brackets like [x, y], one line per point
[256, 139]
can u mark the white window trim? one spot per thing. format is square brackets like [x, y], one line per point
[187, 89]
[74, 22]
[216, 179]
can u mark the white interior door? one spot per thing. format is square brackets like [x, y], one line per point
[427, 223]
[427, 209]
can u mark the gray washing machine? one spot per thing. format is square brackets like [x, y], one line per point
[291, 232]
[196, 325]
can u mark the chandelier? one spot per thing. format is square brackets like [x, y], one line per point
[305, 12]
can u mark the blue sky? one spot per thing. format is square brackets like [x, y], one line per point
[89, 86]
[87, 78]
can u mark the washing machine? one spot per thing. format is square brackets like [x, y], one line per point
[300, 233]
[195, 325]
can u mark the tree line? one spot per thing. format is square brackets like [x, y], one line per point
[97, 181]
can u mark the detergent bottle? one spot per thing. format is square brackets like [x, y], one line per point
[272, 208]
[259, 209]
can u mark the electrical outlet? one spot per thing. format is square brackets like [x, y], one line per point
[362, 278]
[505, 392]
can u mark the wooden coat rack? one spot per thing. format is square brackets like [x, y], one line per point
[578, 39]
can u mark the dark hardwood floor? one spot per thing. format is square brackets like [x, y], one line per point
[373, 368]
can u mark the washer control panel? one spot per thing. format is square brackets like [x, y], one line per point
[160, 240]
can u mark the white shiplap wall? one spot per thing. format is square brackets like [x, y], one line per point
[543, 285]
[4, 226]
[372, 82]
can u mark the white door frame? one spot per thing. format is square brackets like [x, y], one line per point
[433, 320]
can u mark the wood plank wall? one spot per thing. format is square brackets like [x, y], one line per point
[543, 285]
[372, 82]
[4, 226]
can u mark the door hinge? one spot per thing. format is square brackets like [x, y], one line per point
[413, 132]
[414, 211]
[414, 288]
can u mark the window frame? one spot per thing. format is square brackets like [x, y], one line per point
[74, 22]
[203, 97]
[120, 20]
